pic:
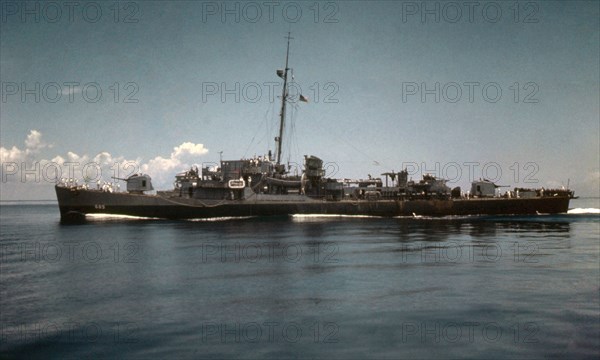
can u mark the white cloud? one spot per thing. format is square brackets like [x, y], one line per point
[58, 159]
[183, 156]
[33, 145]
[102, 166]
[73, 157]
[11, 155]
[189, 148]
[33, 142]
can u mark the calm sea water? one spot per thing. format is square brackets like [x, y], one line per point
[300, 287]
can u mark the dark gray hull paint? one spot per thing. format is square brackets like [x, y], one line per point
[74, 204]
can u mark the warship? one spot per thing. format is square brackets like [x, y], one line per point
[264, 186]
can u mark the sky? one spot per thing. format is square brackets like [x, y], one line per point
[502, 90]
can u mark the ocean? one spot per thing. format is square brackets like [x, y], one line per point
[300, 287]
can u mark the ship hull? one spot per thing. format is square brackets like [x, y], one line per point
[74, 204]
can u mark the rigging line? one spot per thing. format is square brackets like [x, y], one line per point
[290, 133]
[297, 147]
[251, 141]
[290, 130]
[295, 144]
[270, 125]
[268, 128]
[248, 147]
[293, 132]
[321, 124]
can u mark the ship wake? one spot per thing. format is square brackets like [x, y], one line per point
[105, 217]
[582, 211]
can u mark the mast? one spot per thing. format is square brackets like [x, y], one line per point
[284, 95]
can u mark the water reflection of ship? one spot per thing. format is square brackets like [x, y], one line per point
[440, 230]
